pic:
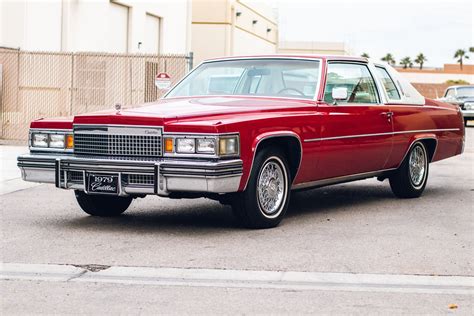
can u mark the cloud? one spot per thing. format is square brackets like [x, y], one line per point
[403, 27]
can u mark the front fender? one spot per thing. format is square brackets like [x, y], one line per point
[257, 140]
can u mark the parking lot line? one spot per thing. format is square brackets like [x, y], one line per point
[286, 280]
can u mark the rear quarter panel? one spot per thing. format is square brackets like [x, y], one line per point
[433, 120]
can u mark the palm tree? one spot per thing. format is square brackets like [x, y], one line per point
[406, 62]
[365, 55]
[389, 59]
[461, 55]
[420, 60]
[471, 49]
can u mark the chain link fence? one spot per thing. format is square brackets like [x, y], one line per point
[53, 84]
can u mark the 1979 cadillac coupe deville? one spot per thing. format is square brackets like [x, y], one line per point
[246, 131]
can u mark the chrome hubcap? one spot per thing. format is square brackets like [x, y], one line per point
[271, 188]
[417, 166]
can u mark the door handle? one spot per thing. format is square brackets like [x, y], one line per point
[388, 115]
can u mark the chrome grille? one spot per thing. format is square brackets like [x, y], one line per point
[73, 176]
[76, 176]
[128, 142]
[141, 179]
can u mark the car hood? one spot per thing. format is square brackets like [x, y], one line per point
[211, 109]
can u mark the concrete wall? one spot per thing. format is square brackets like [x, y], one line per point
[23, 24]
[439, 75]
[95, 25]
[324, 48]
[232, 27]
[431, 82]
[431, 90]
[435, 77]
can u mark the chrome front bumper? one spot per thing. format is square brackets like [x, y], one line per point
[159, 177]
[467, 113]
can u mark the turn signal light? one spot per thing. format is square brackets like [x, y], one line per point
[168, 145]
[69, 141]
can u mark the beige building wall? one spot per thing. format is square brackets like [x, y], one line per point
[322, 48]
[231, 27]
[112, 26]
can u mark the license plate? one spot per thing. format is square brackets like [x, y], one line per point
[103, 183]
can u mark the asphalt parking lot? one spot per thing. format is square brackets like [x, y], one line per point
[355, 230]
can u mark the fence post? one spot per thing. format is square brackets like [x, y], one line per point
[190, 59]
[2, 109]
[72, 85]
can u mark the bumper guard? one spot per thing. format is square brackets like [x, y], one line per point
[136, 177]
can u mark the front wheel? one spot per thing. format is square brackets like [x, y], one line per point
[264, 202]
[409, 181]
[102, 205]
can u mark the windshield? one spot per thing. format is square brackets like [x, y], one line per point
[259, 77]
[465, 92]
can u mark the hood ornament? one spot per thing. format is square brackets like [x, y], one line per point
[118, 107]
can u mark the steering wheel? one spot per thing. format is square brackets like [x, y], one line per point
[291, 89]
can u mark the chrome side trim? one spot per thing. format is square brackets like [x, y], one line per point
[95, 125]
[341, 179]
[36, 129]
[280, 134]
[118, 130]
[359, 176]
[381, 134]
[200, 134]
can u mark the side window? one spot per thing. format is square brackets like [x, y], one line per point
[388, 84]
[356, 78]
[450, 93]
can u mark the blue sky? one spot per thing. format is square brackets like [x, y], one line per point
[402, 27]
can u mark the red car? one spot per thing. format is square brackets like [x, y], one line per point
[247, 131]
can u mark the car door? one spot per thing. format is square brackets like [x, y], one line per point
[356, 133]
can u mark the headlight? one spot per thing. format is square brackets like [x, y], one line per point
[60, 141]
[56, 140]
[228, 146]
[39, 140]
[185, 145]
[469, 106]
[201, 145]
[206, 145]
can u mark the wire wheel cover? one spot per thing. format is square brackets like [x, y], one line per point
[417, 165]
[271, 187]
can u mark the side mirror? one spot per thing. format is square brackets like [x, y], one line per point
[339, 94]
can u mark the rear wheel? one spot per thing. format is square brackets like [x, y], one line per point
[409, 181]
[102, 205]
[265, 201]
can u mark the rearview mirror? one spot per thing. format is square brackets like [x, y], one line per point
[339, 94]
[258, 72]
